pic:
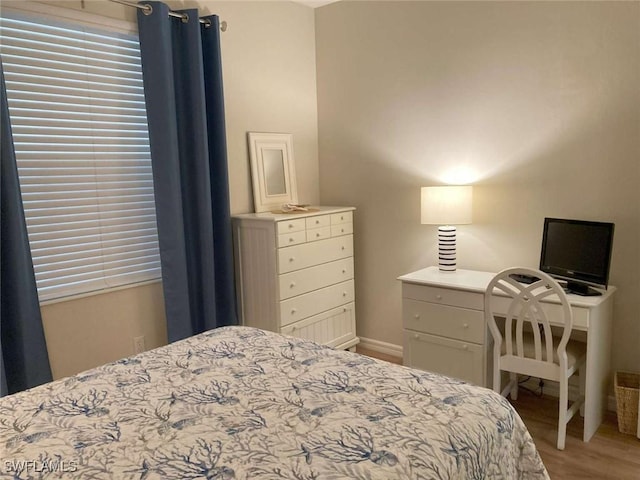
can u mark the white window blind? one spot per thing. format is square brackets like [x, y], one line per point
[79, 122]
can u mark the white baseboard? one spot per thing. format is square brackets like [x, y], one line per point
[381, 347]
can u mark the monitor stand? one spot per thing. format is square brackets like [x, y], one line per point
[582, 289]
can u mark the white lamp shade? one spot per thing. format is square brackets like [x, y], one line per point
[446, 205]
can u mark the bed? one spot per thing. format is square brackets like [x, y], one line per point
[242, 403]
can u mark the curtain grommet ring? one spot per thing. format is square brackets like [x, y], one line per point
[223, 25]
[207, 23]
[147, 9]
[184, 18]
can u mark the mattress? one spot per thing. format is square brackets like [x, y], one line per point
[241, 403]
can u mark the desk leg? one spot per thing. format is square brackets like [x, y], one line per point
[598, 367]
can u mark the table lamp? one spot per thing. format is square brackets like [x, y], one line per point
[446, 206]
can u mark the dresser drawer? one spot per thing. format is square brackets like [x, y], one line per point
[314, 253]
[293, 238]
[334, 327]
[344, 217]
[293, 225]
[314, 234]
[313, 278]
[318, 221]
[444, 296]
[452, 322]
[461, 360]
[341, 229]
[315, 302]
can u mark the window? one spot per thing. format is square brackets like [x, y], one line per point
[76, 103]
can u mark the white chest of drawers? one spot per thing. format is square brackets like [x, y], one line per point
[295, 275]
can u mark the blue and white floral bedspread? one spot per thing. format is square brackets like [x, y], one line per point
[241, 403]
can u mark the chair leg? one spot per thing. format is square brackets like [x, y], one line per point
[513, 378]
[562, 412]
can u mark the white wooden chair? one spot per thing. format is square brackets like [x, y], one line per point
[527, 346]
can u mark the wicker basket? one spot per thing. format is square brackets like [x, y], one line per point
[627, 385]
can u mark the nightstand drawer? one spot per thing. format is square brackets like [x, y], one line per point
[444, 296]
[315, 302]
[312, 278]
[452, 322]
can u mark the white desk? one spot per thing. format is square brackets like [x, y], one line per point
[445, 332]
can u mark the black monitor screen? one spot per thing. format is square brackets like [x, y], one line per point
[577, 250]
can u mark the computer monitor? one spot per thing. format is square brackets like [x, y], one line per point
[577, 251]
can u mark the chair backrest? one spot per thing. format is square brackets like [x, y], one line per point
[521, 307]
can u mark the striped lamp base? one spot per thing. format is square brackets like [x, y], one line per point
[447, 248]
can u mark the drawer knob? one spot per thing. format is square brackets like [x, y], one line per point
[416, 316]
[291, 225]
[344, 309]
[341, 217]
[438, 297]
[291, 240]
[416, 336]
[317, 222]
[344, 294]
[343, 247]
[293, 328]
[293, 284]
[342, 230]
[317, 235]
[344, 270]
[291, 259]
[465, 347]
[293, 310]
[465, 325]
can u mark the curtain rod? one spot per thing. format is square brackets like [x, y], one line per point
[183, 16]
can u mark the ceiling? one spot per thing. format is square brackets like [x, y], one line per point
[315, 3]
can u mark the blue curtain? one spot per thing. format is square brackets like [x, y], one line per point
[24, 362]
[182, 75]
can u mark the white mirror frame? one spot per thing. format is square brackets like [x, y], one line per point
[259, 143]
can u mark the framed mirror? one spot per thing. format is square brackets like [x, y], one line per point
[273, 171]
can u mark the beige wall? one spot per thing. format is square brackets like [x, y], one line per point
[269, 78]
[269, 68]
[536, 103]
[97, 329]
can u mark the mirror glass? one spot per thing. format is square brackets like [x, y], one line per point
[273, 162]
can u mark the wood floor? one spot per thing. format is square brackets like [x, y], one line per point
[610, 455]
